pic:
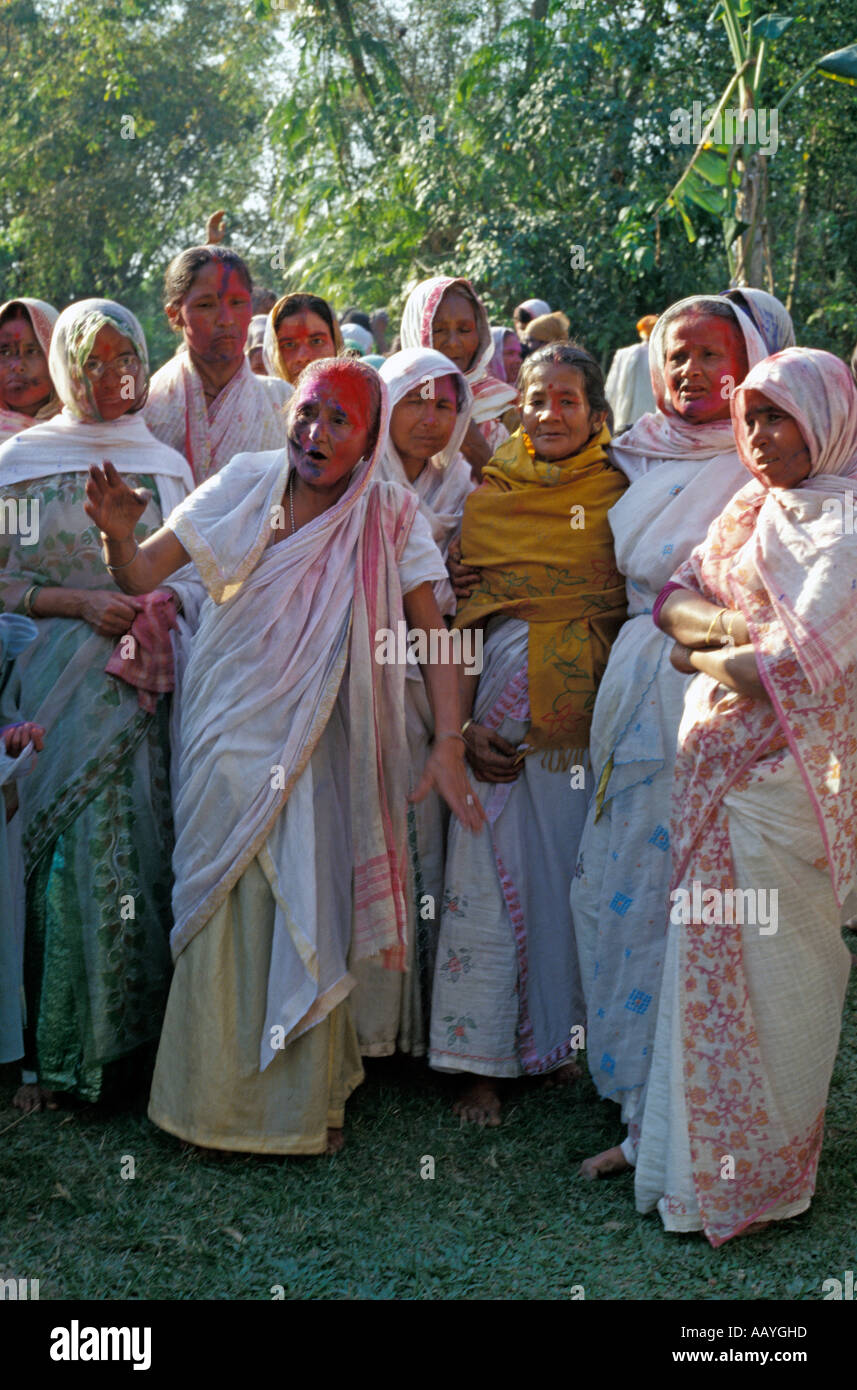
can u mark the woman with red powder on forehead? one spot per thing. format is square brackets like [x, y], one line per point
[291, 802]
[446, 313]
[301, 328]
[206, 401]
[27, 393]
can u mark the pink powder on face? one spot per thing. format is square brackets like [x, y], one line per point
[339, 382]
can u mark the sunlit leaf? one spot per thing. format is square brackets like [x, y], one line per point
[841, 64]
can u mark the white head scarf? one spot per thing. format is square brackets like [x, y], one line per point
[71, 441]
[256, 333]
[491, 397]
[42, 318]
[534, 307]
[664, 434]
[446, 482]
[770, 317]
[403, 372]
[74, 334]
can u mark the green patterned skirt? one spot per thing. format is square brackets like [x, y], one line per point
[97, 961]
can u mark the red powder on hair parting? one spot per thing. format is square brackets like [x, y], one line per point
[352, 386]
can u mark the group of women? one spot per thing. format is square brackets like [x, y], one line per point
[203, 755]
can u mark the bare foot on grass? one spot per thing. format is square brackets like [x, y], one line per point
[32, 1097]
[335, 1141]
[479, 1103]
[604, 1164]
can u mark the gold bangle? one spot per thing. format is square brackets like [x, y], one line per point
[730, 640]
[465, 726]
[28, 600]
[717, 615]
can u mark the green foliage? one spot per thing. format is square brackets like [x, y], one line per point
[362, 145]
[122, 124]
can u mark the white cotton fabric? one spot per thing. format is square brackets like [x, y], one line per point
[682, 477]
[246, 417]
[447, 479]
[798, 531]
[799, 972]
[629, 385]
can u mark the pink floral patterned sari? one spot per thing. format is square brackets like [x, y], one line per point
[764, 798]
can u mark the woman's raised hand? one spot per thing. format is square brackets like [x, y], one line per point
[113, 505]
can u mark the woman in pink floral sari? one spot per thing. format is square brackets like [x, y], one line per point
[763, 816]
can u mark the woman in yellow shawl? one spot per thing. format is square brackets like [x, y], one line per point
[507, 996]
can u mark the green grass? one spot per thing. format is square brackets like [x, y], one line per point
[504, 1217]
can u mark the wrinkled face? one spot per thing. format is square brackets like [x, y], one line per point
[303, 338]
[555, 411]
[511, 357]
[329, 430]
[422, 422]
[455, 331]
[774, 449]
[25, 384]
[114, 372]
[214, 315]
[706, 358]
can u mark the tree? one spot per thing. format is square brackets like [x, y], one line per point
[122, 122]
[728, 175]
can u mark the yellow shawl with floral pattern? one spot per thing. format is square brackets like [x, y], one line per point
[538, 533]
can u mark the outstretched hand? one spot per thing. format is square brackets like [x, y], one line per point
[445, 771]
[113, 505]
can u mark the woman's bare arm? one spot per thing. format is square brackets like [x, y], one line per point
[694, 622]
[735, 667]
[116, 508]
[444, 768]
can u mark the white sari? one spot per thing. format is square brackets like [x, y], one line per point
[681, 478]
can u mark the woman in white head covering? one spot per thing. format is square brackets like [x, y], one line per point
[764, 850]
[430, 404]
[291, 806]
[446, 313]
[94, 818]
[27, 393]
[683, 467]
